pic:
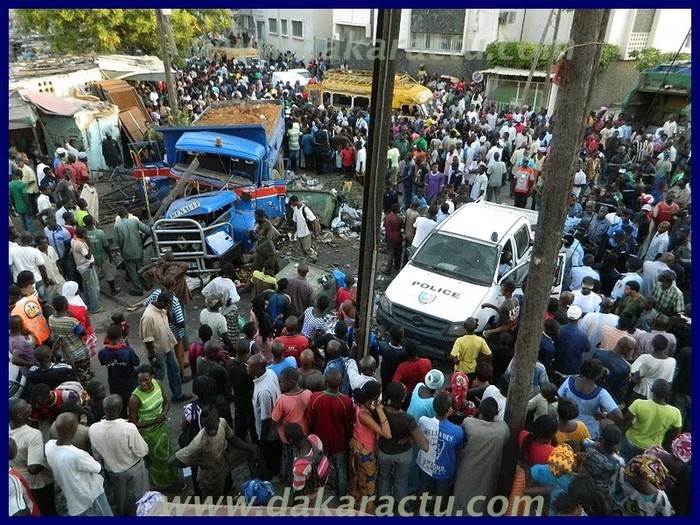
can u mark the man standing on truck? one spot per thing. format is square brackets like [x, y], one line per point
[306, 224]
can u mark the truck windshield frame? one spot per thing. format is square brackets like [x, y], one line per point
[225, 165]
[458, 258]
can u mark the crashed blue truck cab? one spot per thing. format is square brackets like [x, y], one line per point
[238, 149]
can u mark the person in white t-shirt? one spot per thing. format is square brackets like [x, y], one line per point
[303, 217]
[423, 226]
[586, 298]
[76, 471]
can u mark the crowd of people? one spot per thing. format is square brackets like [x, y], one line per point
[282, 398]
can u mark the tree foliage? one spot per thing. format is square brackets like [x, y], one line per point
[651, 56]
[520, 55]
[87, 31]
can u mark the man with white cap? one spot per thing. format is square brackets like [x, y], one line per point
[569, 347]
[60, 158]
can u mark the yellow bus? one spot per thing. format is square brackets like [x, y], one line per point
[353, 89]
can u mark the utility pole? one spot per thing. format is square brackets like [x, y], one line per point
[552, 58]
[537, 56]
[388, 22]
[569, 114]
[168, 50]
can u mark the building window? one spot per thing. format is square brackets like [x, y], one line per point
[351, 33]
[436, 42]
[506, 17]
[285, 26]
[297, 29]
[272, 24]
[636, 42]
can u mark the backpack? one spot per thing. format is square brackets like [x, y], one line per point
[320, 468]
[309, 223]
[191, 431]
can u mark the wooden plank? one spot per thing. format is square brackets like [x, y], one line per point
[133, 124]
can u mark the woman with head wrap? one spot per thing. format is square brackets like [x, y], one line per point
[677, 460]
[638, 488]
[553, 479]
[79, 310]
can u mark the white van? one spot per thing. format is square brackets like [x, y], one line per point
[289, 76]
[455, 270]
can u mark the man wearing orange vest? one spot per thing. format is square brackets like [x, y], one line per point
[30, 310]
[524, 179]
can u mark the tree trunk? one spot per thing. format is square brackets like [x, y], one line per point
[388, 22]
[176, 192]
[569, 117]
[166, 41]
[552, 58]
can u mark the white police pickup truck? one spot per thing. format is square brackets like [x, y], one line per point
[455, 270]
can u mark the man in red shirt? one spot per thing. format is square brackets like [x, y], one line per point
[347, 160]
[344, 293]
[393, 225]
[663, 211]
[331, 416]
[79, 172]
[413, 371]
[294, 342]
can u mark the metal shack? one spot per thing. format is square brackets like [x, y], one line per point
[85, 119]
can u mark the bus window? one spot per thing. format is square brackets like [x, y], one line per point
[361, 102]
[341, 101]
[411, 111]
[326, 99]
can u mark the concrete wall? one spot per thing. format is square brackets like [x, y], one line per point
[613, 84]
[670, 29]
[358, 56]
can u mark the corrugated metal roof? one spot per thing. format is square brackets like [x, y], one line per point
[512, 72]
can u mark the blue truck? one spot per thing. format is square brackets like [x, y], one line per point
[238, 147]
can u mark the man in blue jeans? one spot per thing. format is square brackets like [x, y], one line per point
[155, 332]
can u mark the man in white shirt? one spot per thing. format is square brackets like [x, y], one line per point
[634, 265]
[480, 183]
[659, 242]
[508, 128]
[303, 217]
[586, 298]
[592, 323]
[362, 372]
[224, 285]
[670, 126]
[579, 272]
[472, 114]
[76, 471]
[579, 181]
[25, 257]
[43, 201]
[424, 225]
[266, 390]
[119, 445]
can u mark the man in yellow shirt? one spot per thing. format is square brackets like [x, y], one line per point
[467, 349]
